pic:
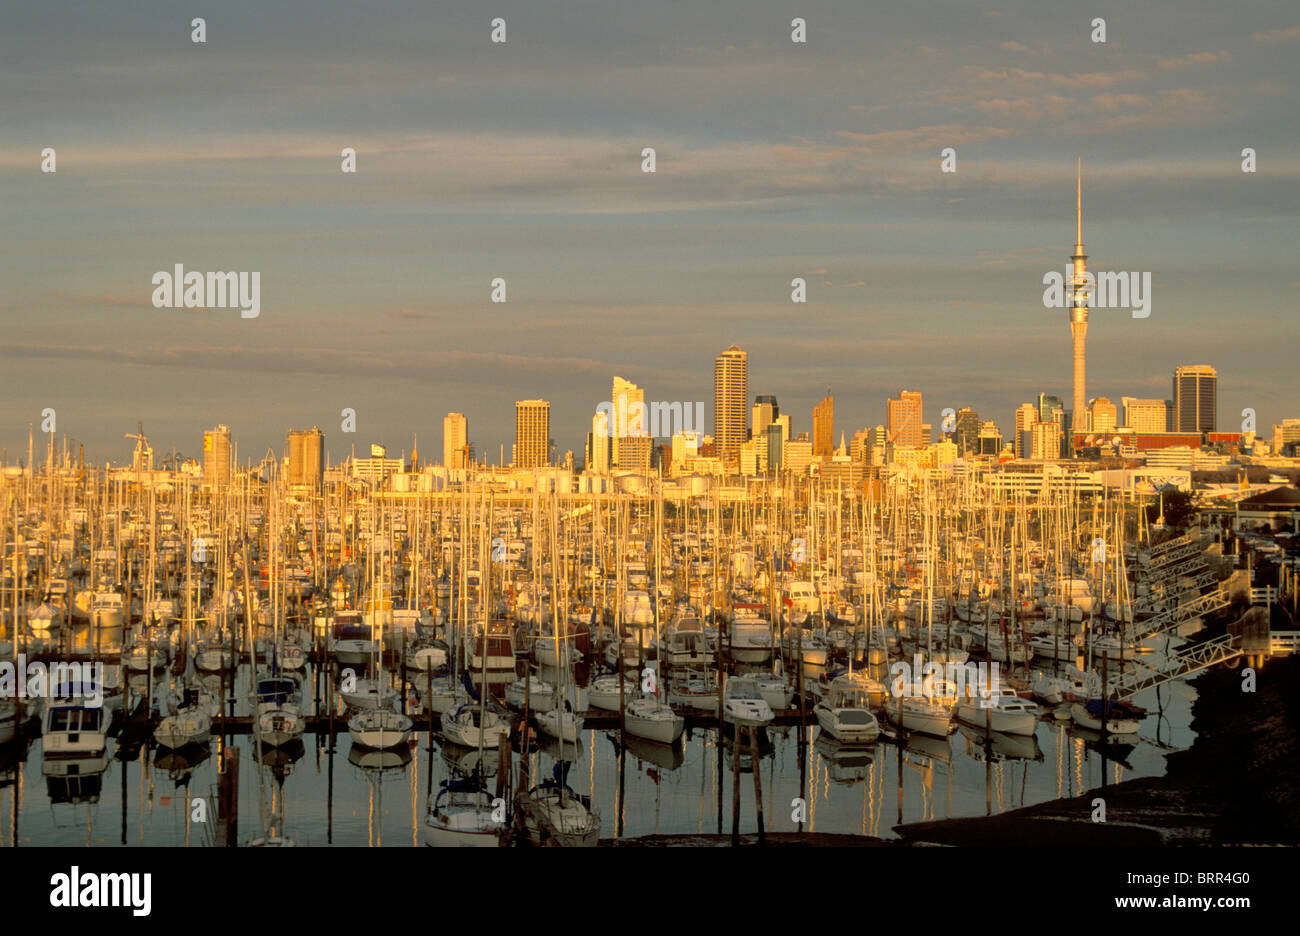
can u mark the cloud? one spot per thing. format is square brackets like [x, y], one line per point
[1194, 59]
[1017, 47]
[1277, 35]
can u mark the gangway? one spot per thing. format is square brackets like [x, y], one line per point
[1183, 663]
[1168, 620]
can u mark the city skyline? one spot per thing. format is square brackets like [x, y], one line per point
[821, 163]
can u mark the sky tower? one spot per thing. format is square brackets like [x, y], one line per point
[1079, 299]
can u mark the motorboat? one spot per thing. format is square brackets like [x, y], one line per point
[1005, 712]
[845, 713]
[743, 704]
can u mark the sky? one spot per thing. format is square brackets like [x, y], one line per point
[522, 160]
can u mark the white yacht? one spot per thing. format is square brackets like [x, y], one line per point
[1005, 712]
[845, 712]
[464, 727]
[743, 703]
[380, 728]
[461, 814]
[653, 720]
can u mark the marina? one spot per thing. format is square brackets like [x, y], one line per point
[336, 663]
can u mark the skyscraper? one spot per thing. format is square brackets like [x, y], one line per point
[629, 422]
[966, 432]
[823, 416]
[1196, 394]
[532, 433]
[764, 414]
[306, 457]
[598, 455]
[730, 394]
[903, 418]
[1079, 299]
[217, 456]
[1026, 416]
[455, 432]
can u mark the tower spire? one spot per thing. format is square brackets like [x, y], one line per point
[1078, 208]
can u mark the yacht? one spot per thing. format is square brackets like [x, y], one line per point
[1005, 712]
[279, 710]
[743, 703]
[380, 728]
[461, 814]
[845, 712]
[651, 719]
[465, 727]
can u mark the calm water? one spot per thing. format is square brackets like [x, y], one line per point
[353, 797]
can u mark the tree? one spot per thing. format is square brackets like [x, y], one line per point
[1179, 510]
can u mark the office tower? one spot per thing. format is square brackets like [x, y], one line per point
[966, 432]
[1045, 441]
[1145, 415]
[217, 456]
[824, 427]
[903, 418]
[989, 440]
[1103, 416]
[629, 420]
[306, 457]
[1079, 299]
[1051, 409]
[1026, 416]
[455, 439]
[1196, 392]
[765, 411]
[634, 453]
[598, 454]
[730, 394]
[532, 434]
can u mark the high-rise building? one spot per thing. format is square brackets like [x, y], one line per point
[1196, 394]
[730, 394]
[455, 441]
[824, 428]
[1045, 441]
[600, 441]
[306, 457]
[1103, 416]
[532, 434]
[765, 411]
[966, 432]
[1080, 297]
[629, 421]
[217, 456]
[989, 440]
[1145, 415]
[1026, 416]
[903, 418]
